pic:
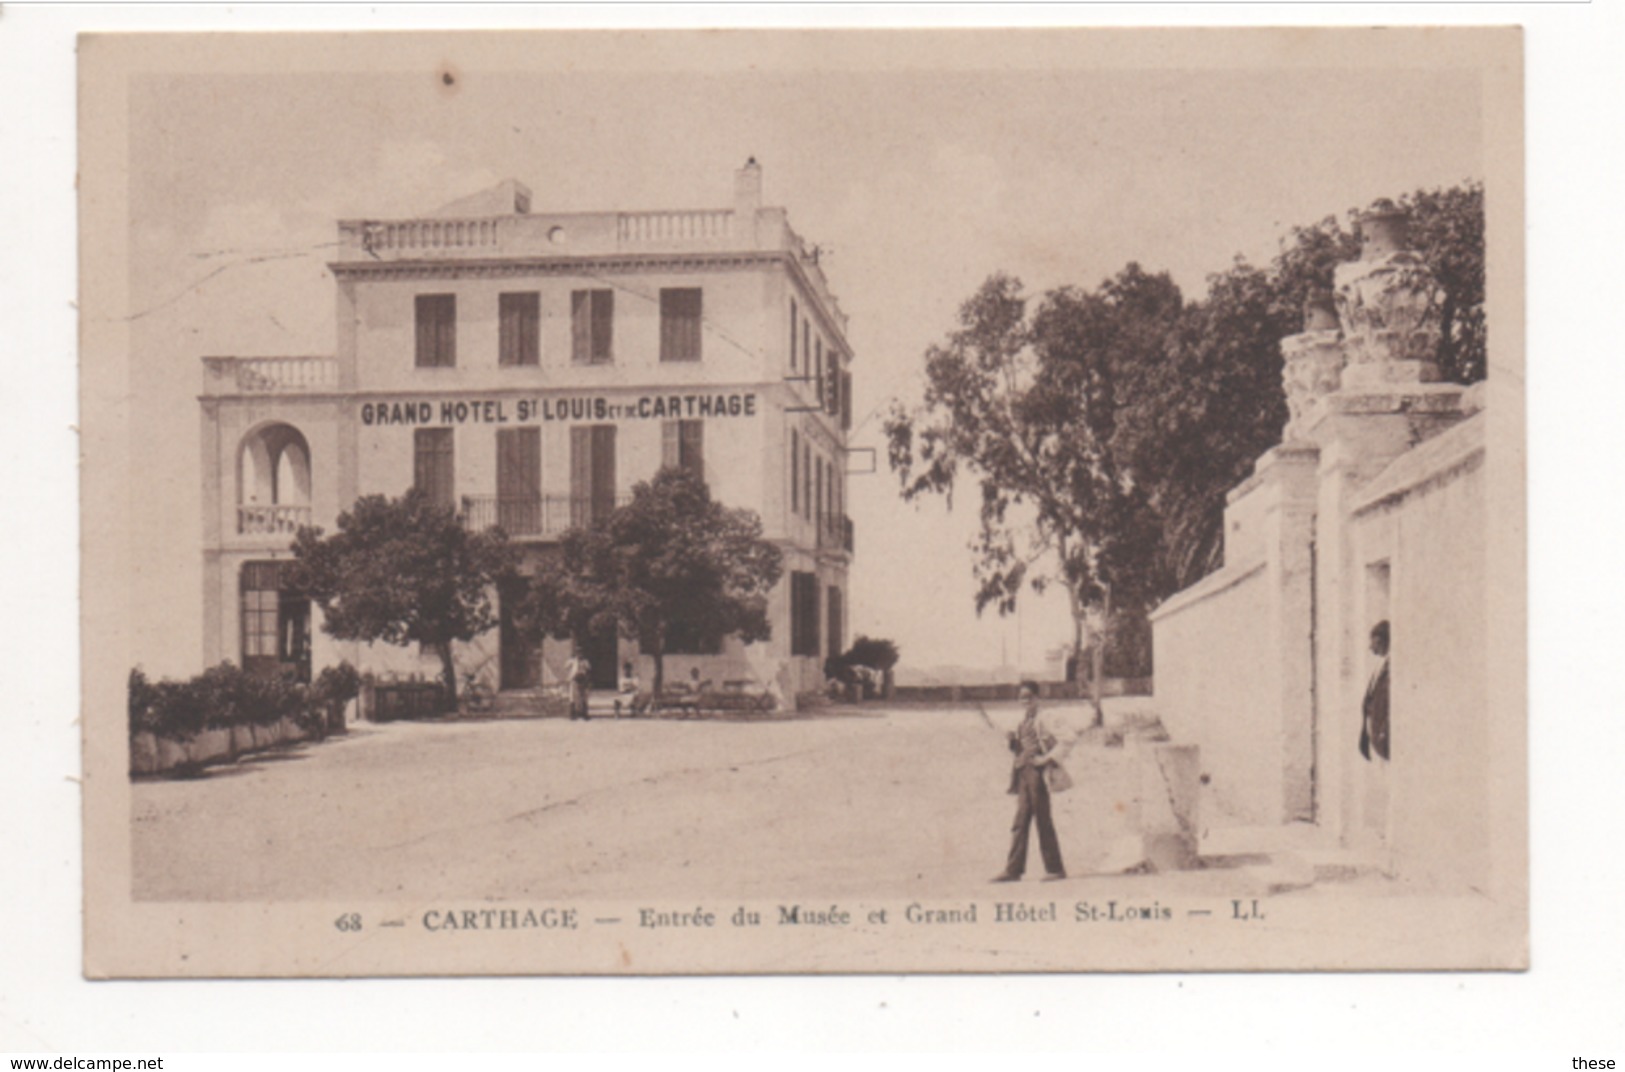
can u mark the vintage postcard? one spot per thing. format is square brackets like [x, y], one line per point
[567, 503]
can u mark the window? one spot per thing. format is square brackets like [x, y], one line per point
[818, 376]
[803, 613]
[437, 330]
[682, 446]
[846, 401]
[818, 501]
[680, 324]
[832, 387]
[795, 473]
[794, 316]
[833, 599]
[519, 340]
[806, 344]
[519, 481]
[806, 479]
[275, 623]
[432, 465]
[829, 493]
[592, 326]
[592, 473]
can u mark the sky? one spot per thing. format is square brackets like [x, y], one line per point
[918, 179]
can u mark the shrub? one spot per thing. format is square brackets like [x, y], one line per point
[873, 652]
[221, 697]
[336, 685]
[143, 695]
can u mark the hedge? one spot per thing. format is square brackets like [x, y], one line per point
[225, 696]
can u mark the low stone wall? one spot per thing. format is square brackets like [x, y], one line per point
[1215, 690]
[1047, 690]
[151, 754]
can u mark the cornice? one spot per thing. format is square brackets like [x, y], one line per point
[504, 267]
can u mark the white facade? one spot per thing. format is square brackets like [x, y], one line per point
[530, 369]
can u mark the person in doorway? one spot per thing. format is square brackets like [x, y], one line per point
[579, 671]
[1033, 747]
[1374, 730]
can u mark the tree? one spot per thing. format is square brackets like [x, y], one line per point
[403, 571]
[1027, 406]
[672, 562]
[874, 652]
[1198, 409]
[1200, 412]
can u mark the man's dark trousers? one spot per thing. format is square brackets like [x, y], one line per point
[1033, 803]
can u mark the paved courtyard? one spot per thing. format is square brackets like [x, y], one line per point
[880, 803]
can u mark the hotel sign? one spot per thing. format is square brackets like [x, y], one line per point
[566, 408]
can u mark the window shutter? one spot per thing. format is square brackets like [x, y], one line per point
[833, 596]
[603, 471]
[518, 342]
[680, 324]
[580, 474]
[580, 326]
[795, 473]
[846, 401]
[795, 315]
[671, 451]
[436, 322]
[603, 325]
[818, 501]
[691, 448]
[425, 332]
[447, 347]
[433, 464]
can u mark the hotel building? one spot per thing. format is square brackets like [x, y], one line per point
[527, 369]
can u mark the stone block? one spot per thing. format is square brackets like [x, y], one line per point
[1170, 786]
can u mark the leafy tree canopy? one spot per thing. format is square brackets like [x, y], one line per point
[1104, 429]
[403, 571]
[671, 562]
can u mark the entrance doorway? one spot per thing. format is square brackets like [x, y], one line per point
[275, 625]
[601, 648]
[521, 659]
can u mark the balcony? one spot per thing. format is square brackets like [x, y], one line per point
[533, 518]
[269, 375]
[835, 534]
[367, 244]
[278, 519]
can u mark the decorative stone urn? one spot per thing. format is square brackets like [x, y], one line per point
[1388, 302]
[1312, 364]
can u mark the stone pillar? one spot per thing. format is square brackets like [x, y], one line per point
[1387, 402]
[1312, 365]
[747, 200]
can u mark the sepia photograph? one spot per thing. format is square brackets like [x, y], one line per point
[764, 502]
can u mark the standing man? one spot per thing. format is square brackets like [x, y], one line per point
[1033, 746]
[1374, 710]
[579, 671]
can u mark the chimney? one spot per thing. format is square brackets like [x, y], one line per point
[748, 190]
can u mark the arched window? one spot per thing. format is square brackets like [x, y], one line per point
[273, 481]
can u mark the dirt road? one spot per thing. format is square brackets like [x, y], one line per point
[881, 803]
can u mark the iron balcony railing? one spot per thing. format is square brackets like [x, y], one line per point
[835, 534]
[276, 519]
[536, 516]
